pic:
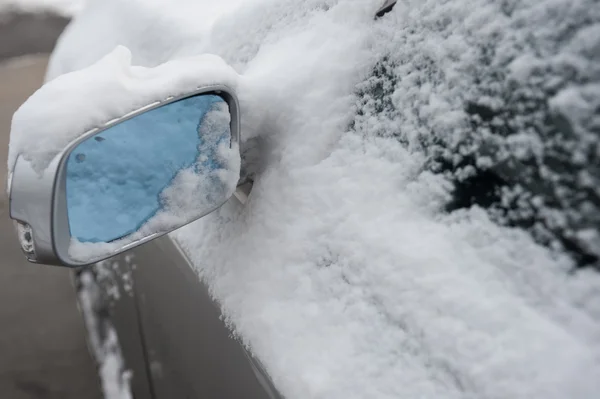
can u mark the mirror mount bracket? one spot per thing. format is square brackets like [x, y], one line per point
[242, 191]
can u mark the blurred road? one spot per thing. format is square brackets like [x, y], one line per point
[28, 33]
[43, 353]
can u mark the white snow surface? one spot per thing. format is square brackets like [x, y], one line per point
[75, 103]
[63, 7]
[341, 273]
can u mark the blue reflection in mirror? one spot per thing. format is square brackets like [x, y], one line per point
[115, 178]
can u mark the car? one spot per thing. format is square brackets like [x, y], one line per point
[415, 210]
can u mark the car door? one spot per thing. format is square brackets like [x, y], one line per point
[188, 351]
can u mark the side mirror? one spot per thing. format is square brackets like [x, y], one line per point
[132, 180]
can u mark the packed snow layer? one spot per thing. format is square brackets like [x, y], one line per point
[343, 273]
[502, 99]
[63, 7]
[67, 107]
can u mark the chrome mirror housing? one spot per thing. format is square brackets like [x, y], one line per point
[129, 181]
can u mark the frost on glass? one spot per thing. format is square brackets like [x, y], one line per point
[150, 174]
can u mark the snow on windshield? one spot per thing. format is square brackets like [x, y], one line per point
[374, 258]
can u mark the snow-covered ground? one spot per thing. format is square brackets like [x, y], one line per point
[62, 7]
[375, 257]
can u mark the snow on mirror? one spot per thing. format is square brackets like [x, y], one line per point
[149, 175]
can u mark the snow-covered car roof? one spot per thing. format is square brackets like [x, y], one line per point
[426, 196]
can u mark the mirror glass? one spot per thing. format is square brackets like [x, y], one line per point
[150, 174]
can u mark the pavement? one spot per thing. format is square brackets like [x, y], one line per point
[43, 352]
[26, 33]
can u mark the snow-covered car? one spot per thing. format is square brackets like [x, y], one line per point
[425, 214]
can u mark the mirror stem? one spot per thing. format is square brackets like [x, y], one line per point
[243, 191]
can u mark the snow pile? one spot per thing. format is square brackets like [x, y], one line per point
[62, 7]
[503, 100]
[161, 35]
[56, 114]
[344, 273]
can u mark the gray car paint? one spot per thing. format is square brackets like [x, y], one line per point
[171, 332]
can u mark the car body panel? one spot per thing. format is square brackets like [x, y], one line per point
[124, 317]
[190, 351]
[107, 301]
